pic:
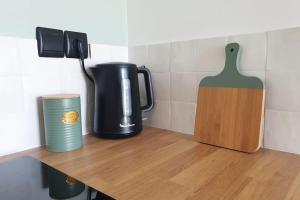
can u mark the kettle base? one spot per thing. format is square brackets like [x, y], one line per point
[111, 135]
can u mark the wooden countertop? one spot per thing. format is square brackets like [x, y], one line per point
[160, 164]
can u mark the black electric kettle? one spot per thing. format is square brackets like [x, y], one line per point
[118, 112]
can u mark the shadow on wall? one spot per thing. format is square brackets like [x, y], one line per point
[90, 88]
[41, 120]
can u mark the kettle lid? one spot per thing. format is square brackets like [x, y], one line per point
[115, 64]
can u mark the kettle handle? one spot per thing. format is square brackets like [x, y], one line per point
[149, 89]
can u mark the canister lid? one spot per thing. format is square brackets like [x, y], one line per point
[61, 96]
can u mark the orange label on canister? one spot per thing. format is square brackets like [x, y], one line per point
[70, 117]
[70, 180]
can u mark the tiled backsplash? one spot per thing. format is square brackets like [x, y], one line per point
[24, 77]
[178, 67]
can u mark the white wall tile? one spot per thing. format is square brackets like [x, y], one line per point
[159, 57]
[33, 130]
[282, 131]
[184, 87]
[138, 55]
[73, 83]
[37, 86]
[272, 57]
[8, 57]
[34, 88]
[13, 135]
[99, 54]
[28, 56]
[183, 117]
[19, 132]
[161, 86]
[210, 54]
[118, 53]
[27, 77]
[71, 66]
[183, 56]
[32, 64]
[283, 91]
[198, 55]
[106, 53]
[160, 116]
[12, 95]
[283, 49]
[253, 51]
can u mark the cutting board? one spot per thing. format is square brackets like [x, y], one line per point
[230, 107]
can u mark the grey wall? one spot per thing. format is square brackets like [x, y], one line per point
[177, 68]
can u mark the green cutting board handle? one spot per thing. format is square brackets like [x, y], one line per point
[230, 77]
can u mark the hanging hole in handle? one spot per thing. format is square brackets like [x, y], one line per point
[232, 49]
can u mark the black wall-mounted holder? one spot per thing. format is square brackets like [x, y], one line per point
[72, 42]
[50, 42]
[56, 43]
[76, 46]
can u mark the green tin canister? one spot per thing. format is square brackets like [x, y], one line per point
[62, 120]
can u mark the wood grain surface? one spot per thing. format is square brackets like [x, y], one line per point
[162, 165]
[230, 117]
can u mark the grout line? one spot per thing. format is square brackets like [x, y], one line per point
[170, 82]
[172, 101]
[183, 102]
[267, 51]
[279, 110]
[265, 86]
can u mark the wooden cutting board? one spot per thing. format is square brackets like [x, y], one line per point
[230, 108]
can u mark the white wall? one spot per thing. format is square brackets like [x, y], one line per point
[158, 21]
[24, 77]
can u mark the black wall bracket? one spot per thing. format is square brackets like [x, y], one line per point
[71, 42]
[56, 43]
[50, 42]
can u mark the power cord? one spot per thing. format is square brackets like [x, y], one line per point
[81, 55]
